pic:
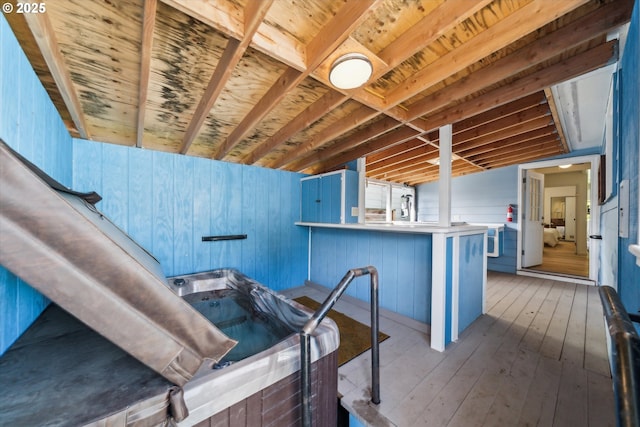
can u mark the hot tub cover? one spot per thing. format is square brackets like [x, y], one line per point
[55, 242]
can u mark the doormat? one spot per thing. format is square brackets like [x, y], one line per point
[355, 337]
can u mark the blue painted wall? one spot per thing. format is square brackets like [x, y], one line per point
[403, 262]
[30, 124]
[628, 94]
[470, 282]
[168, 202]
[479, 198]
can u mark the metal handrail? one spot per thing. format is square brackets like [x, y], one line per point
[624, 358]
[314, 321]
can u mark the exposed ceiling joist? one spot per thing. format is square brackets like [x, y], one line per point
[513, 27]
[148, 24]
[233, 53]
[247, 81]
[45, 37]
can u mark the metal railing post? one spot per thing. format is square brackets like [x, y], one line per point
[624, 358]
[314, 321]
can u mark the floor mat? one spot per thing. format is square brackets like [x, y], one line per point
[355, 337]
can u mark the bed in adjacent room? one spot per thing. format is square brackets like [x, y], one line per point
[551, 236]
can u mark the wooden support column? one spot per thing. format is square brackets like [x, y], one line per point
[444, 181]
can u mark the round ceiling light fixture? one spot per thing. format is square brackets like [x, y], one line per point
[350, 71]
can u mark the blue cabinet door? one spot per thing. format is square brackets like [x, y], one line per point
[350, 196]
[310, 209]
[331, 198]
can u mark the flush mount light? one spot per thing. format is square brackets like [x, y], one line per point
[350, 71]
[436, 161]
[564, 166]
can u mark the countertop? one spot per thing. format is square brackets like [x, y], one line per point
[404, 227]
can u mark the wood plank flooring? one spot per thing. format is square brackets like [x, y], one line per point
[538, 357]
[563, 259]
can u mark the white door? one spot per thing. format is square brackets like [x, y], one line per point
[532, 231]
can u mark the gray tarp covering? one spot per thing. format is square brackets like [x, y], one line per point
[52, 246]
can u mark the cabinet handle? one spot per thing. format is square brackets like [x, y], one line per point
[317, 200]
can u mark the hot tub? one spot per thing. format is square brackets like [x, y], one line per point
[153, 331]
[266, 359]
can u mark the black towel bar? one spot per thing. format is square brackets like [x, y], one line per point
[226, 237]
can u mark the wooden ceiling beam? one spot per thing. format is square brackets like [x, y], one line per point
[345, 124]
[380, 127]
[306, 118]
[448, 16]
[219, 15]
[437, 23]
[374, 130]
[499, 135]
[523, 149]
[45, 37]
[406, 164]
[418, 154]
[254, 13]
[276, 93]
[508, 153]
[518, 24]
[387, 55]
[335, 32]
[458, 170]
[502, 134]
[574, 66]
[519, 120]
[148, 24]
[598, 22]
[535, 82]
[425, 172]
[404, 175]
[398, 149]
[389, 139]
[524, 157]
[424, 160]
[498, 113]
[545, 132]
[224, 17]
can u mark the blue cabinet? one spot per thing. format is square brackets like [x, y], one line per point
[330, 197]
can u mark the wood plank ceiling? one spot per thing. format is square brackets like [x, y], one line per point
[246, 81]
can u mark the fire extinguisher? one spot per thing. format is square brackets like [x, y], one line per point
[509, 214]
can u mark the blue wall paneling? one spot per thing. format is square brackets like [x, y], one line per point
[629, 133]
[30, 124]
[403, 262]
[479, 198]
[470, 301]
[168, 202]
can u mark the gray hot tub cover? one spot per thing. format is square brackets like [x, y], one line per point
[64, 254]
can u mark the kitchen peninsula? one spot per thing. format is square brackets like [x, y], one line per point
[433, 274]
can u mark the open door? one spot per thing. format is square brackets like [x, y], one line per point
[532, 231]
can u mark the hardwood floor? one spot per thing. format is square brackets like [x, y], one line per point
[563, 259]
[537, 357]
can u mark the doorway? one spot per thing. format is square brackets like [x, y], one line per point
[563, 215]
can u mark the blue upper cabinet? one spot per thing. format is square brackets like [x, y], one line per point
[330, 198]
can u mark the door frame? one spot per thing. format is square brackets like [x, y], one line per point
[593, 227]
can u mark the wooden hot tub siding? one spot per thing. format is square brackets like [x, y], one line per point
[279, 404]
